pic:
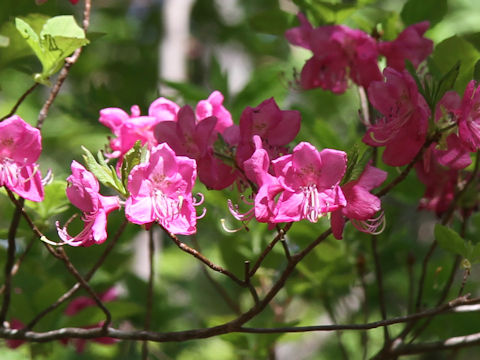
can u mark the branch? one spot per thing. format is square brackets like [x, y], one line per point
[148, 314]
[73, 290]
[12, 233]
[269, 247]
[381, 295]
[218, 287]
[184, 247]
[20, 101]
[229, 327]
[65, 70]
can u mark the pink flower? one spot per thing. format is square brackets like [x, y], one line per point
[189, 137]
[129, 129]
[469, 117]
[257, 170]
[15, 324]
[310, 181]
[213, 106]
[403, 129]
[361, 205]
[339, 53]
[20, 148]
[410, 44]
[82, 191]
[161, 191]
[275, 127]
[440, 184]
[454, 154]
[82, 302]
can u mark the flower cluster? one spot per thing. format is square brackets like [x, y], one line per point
[20, 148]
[341, 53]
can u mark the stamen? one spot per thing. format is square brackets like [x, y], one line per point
[222, 221]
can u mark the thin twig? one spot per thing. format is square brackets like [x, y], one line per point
[73, 290]
[184, 247]
[16, 267]
[269, 247]
[381, 290]
[250, 286]
[12, 234]
[65, 70]
[218, 287]
[361, 274]
[20, 101]
[148, 314]
[60, 253]
[216, 330]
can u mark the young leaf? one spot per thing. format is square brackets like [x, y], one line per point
[450, 241]
[132, 158]
[447, 82]
[105, 174]
[59, 37]
[415, 11]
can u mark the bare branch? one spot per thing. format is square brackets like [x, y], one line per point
[184, 247]
[20, 101]
[69, 62]
[12, 233]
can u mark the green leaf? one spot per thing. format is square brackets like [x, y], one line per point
[476, 71]
[447, 82]
[452, 51]
[450, 241]
[132, 158]
[415, 11]
[106, 174]
[4, 41]
[272, 21]
[59, 37]
[55, 201]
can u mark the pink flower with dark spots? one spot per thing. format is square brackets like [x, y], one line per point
[161, 191]
[403, 127]
[83, 192]
[310, 181]
[276, 128]
[20, 148]
[409, 45]
[339, 54]
[188, 136]
[469, 117]
[362, 206]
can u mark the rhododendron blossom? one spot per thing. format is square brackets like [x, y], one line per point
[213, 106]
[275, 127]
[194, 138]
[129, 129]
[339, 53]
[82, 302]
[310, 181]
[257, 170]
[161, 191]
[20, 148]
[409, 45]
[403, 128]
[469, 117]
[83, 192]
[361, 205]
